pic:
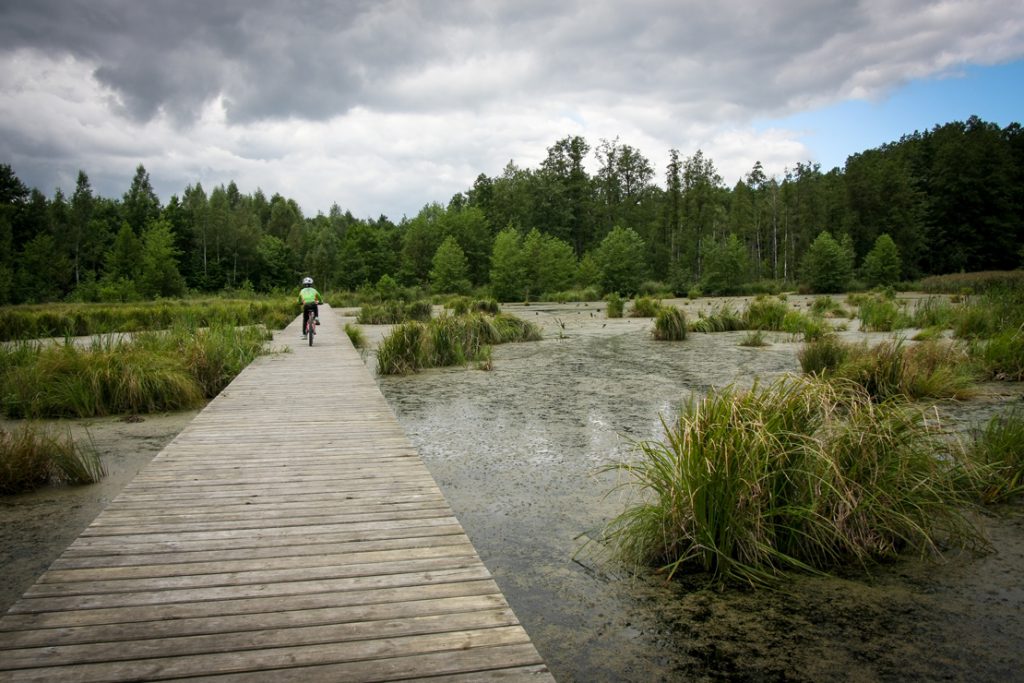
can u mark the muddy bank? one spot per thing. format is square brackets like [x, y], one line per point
[517, 452]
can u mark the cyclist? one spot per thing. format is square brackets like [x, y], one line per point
[308, 299]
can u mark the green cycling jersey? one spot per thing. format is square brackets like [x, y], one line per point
[309, 295]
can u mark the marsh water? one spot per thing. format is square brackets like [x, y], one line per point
[518, 452]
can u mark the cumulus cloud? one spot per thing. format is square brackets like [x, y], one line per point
[382, 105]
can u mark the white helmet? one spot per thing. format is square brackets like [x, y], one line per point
[307, 281]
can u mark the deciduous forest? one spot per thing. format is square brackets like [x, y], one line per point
[949, 199]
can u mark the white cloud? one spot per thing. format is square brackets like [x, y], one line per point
[383, 106]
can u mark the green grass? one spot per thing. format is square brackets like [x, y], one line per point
[150, 372]
[881, 314]
[935, 311]
[798, 475]
[1002, 356]
[764, 313]
[615, 306]
[449, 340]
[722, 319]
[823, 356]
[83, 320]
[645, 307]
[892, 369]
[976, 283]
[754, 339]
[670, 324]
[356, 336]
[827, 306]
[394, 312]
[30, 458]
[996, 458]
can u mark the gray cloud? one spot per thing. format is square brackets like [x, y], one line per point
[247, 87]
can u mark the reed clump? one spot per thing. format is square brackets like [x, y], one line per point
[879, 313]
[931, 369]
[356, 336]
[149, 372]
[670, 324]
[797, 475]
[724, 318]
[30, 458]
[644, 307]
[765, 313]
[615, 306]
[86, 319]
[449, 340]
[996, 458]
[394, 312]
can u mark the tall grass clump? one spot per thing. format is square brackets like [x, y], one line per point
[645, 307]
[449, 340]
[670, 324]
[87, 319]
[216, 355]
[935, 311]
[30, 458]
[797, 475]
[892, 370]
[810, 327]
[722, 319]
[615, 305]
[995, 457]
[1002, 356]
[151, 372]
[356, 336]
[764, 313]
[823, 356]
[403, 351]
[827, 306]
[881, 314]
[754, 339]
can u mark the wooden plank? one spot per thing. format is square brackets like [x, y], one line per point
[274, 539]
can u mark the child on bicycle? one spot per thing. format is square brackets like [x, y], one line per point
[308, 299]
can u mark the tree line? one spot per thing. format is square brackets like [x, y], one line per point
[949, 199]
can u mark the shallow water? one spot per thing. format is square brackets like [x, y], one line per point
[518, 452]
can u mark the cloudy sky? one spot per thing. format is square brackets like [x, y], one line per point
[385, 105]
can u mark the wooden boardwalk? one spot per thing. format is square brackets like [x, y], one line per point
[289, 533]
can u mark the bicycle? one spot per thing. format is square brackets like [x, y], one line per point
[309, 328]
